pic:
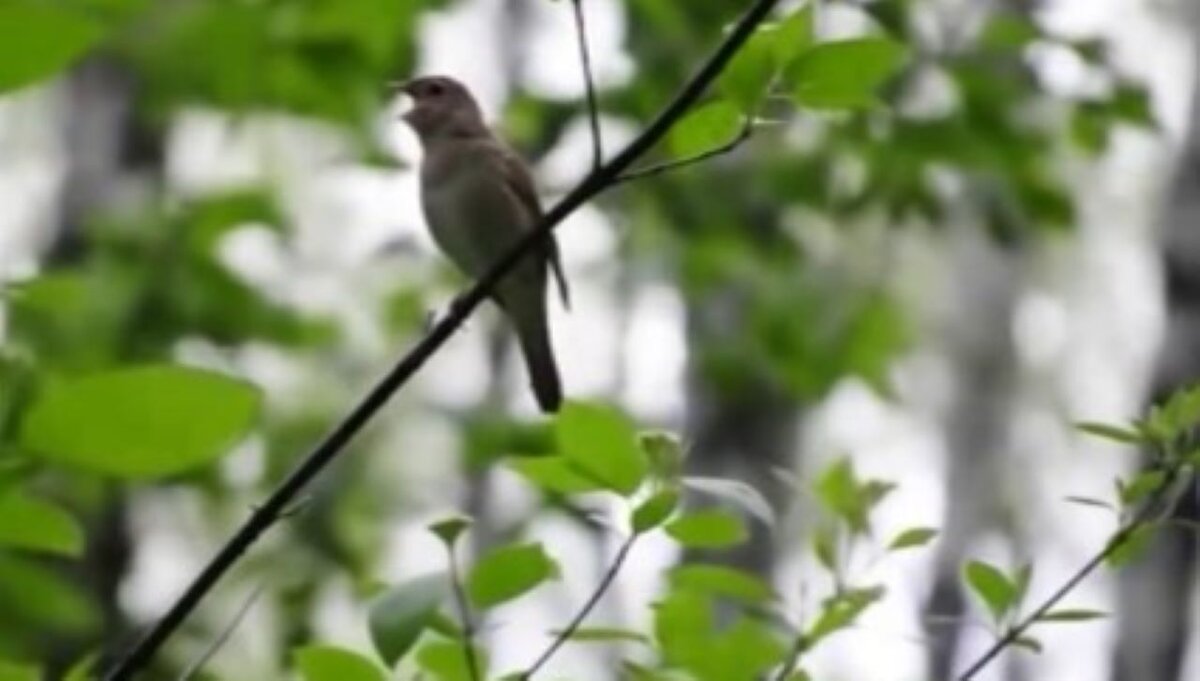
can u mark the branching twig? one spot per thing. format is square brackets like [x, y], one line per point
[1146, 515]
[335, 442]
[195, 667]
[464, 614]
[589, 83]
[659, 168]
[565, 635]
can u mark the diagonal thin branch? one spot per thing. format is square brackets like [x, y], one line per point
[464, 614]
[194, 668]
[657, 169]
[565, 635]
[335, 442]
[1146, 515]
[585, 60]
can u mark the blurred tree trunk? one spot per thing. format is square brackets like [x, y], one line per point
[977, 427]
[1156, 592]
[739, 435]
[108, 152]
[744, 430]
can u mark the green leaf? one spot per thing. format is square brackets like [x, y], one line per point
[719, 580]
[1009, 32]
[1021, 582]
[509, 572]
[84, 669]
[912, 538]
[839, 491]
[1028, 643]
[602, 442]
[1072, 615]
[837, 488]
[141, 423]
[37, 525]
[708, 529]
[750, 71]
[743, 651]
[737, 493]
[845, 74]
[794, 36]
[683, 621]
[664, 453]
[37, 40]
[842, 610]
[45, 598]
[825, 547]
[398, 616]
[1090, 501]
[1143, 485]
[447, 661]
[991, 585]
[1131, 546]
[1131, 104]
[1108, 432]
[15, 671]
[553, 474]
[654, 511]
[450, 529]
[330, 663]
[706, 128]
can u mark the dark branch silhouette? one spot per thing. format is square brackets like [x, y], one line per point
[589, 82]
[600, 179]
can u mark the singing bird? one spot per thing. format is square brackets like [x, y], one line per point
[479, 199]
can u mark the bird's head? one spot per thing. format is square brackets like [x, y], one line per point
[442, 107]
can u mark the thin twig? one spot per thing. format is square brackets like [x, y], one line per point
[195, 667]
[360, 415]
[565, 635]
[793, 658]
[1144, 517]
[640, 173]
[464, 614]
[589, 83]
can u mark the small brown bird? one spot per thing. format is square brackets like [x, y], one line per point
[479, 200]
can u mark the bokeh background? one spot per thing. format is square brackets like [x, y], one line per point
[937, 287]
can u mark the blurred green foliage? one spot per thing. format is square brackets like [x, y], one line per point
[897, 126]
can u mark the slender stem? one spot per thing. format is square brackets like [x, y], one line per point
[589, 82]
[464, 614]
[565, 635]
[640, 173]
[793, 659]
[344, 432]
[195, 667]
[1145, 516]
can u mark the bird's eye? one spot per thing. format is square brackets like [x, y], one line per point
[435, 89]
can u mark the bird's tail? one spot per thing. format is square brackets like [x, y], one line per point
[533, 333]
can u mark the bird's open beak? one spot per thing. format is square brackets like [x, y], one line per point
[403, 87]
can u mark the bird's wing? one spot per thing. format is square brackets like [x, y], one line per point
[518, 180]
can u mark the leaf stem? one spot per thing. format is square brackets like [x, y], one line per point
[464, 614]
[657, 169]
[563, 636]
